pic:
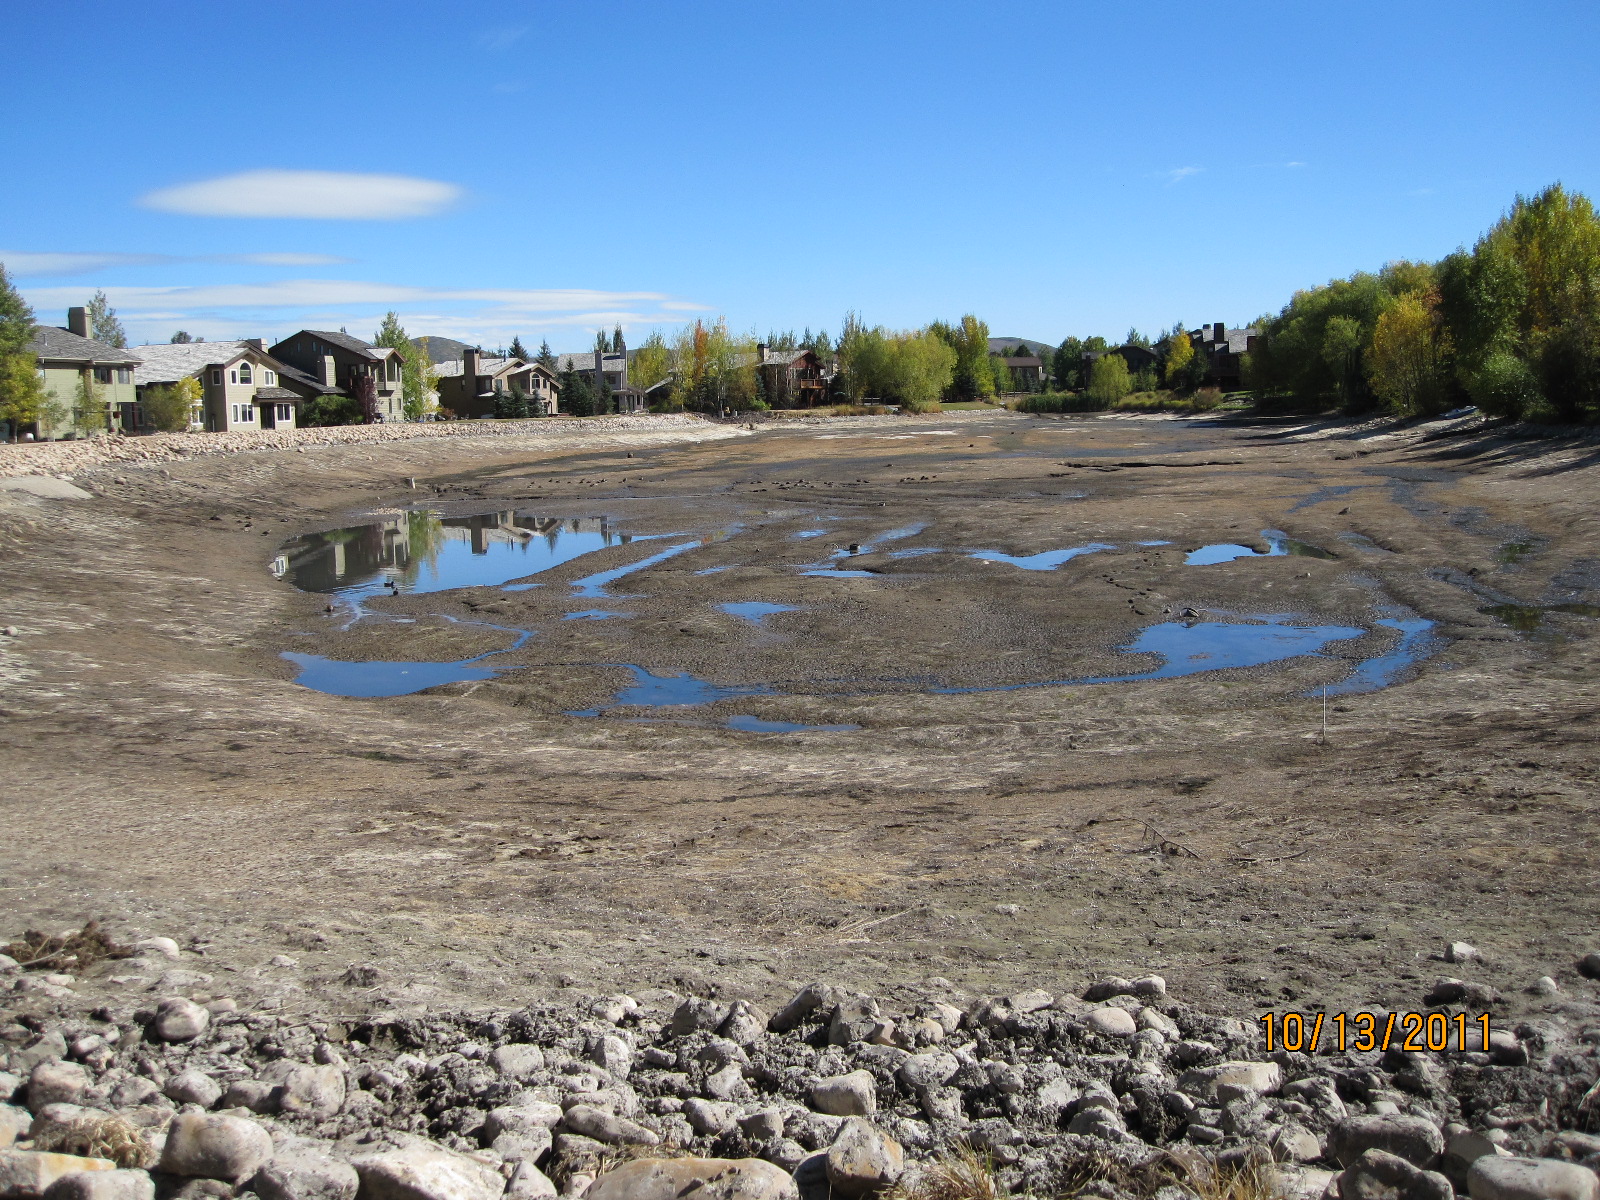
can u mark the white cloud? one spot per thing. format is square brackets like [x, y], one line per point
[316, 195]
[496, 40]
[1296, 163]
[19, 262]
[1179, 174]
[303, 293]
[287, 260]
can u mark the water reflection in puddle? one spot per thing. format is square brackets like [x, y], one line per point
[755, 610]
[1530, 618]
[1204, 646]
[594, 586]
[422, 552]
[1279, 544]
[1045, 560]
[374, 679]
[1416, 643]
[684, 690]
[595, 614]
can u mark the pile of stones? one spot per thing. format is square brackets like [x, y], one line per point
[1119, 1091]
[68, 457]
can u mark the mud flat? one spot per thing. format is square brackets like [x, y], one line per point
[1032, 729]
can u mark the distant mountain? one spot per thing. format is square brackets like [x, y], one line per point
[440, 349]
[1039, 349]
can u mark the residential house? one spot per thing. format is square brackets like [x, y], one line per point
[334, 361]
[1027, 372]
[67, 359]
[1224, 350]
[793, 378]
[471, 386]
[1138, 358]
[611, 367]
[241, 384]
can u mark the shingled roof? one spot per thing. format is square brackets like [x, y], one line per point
[61, 345]
[353, 344]
[167, 362]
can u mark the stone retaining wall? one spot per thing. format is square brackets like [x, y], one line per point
[68, 458]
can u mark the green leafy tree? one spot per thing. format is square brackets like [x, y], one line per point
[103, 323]
[1344, 344]
[22, 395]
[652, 361]
[617, 341]
[322, 411]
[418, 378]
[1180, 353]
[1406, 362]
[168, 409]
[1109, 380]
[181, 338]
[973, 376]
[90, 415]
[1066, 363]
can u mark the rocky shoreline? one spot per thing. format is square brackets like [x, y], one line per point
[148, 1084]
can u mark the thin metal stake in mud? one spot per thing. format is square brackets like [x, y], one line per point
[1324, 714]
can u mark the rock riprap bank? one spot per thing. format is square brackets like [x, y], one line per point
[1123, 1089]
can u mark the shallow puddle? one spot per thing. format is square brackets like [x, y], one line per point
[650, 690]
[1045, 560]
[1529, 618]
[1417, 642]
[375, 679]
[594, 586]
[422, 552]
[755, 611]
[595, 614]
[1279, 545]
[1203, 646]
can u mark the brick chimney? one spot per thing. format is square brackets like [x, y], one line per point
[259, 343]
[78, 322]
[469, 372]
[622, 348]
[761, 352]
[1219, 332]
[330, 371]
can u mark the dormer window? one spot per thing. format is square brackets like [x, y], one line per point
[244, 373]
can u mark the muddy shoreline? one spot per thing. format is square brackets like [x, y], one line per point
[474, 840]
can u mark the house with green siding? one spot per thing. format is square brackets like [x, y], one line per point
[72, 366]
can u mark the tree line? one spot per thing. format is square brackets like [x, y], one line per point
[1511, 325]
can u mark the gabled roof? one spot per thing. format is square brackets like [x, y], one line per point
[1023, 361]
[585, 362]
[60, 345]
[295, 375]
[783, 358]
[486, 366]
[347, 342]
[165, 363]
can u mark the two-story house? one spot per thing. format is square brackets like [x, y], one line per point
[471, 386]
[333, 361]
[241, 384]
[793, 378]
[68, 358]
[1224, 349]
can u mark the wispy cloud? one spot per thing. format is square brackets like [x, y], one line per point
[311, 195]
[497, 40]
[484, 314]
[1179, 174]
[26, 263]
[1295, 163]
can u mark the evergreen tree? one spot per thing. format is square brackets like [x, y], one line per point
[547, 358]
[518, 350]
[22, 396]
[617, 341]
[103, 323]
[181, 338]
[418, 379]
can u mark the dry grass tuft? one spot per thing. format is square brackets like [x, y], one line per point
[105, 1136]
[40, 951]
[962, 1174]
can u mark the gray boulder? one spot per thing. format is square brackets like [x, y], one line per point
[863, 1159]
[1417, 1140]
[304, 1172]
[702, 1178]
[422, 1171]
[179, 1020]
[215, 1147]
[850, 1095]
[1531, 1179]
[28, 1173]
[56, 1082]
[193, 1087]
[103, 1185]
[606, 1127]
[1378, 1175]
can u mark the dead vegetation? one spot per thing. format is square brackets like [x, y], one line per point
[38, 951]
[99, 1136]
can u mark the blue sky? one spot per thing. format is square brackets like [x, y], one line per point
[545, 169]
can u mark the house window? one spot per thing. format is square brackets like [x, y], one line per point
[233, 413]
[124, 375]
[269, 377]
[248, 413]
[244, 372]
[102, 374]
[283, 412]
[216, 378]
[233, 377]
